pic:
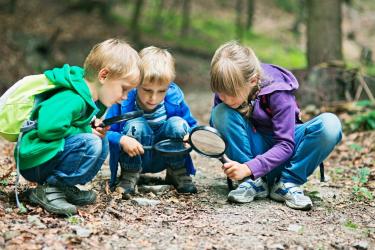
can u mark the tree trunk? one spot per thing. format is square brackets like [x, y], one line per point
[324, 41]
[300, 17]
[250, 14]
[135, 21]
[239, 24]
[158, 17]
[186, 10]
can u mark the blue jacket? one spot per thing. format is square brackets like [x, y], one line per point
[175, 105]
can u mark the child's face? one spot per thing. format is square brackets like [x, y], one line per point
[232, 101]
[116, 89]
[151, 94]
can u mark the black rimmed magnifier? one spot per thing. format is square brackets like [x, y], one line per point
[205, 140]
[121, 118]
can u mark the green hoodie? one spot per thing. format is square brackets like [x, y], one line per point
[67, 112]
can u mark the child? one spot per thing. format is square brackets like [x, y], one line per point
[266, 145]
[166, 115]
[64, 150]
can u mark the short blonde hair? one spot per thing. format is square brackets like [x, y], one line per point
[232, 68]
[157, 65]
[116, 55]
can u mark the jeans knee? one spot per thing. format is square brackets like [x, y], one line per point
[94, 145]
[176, 127]
[332, 129]
[137, 128]
[222, 115]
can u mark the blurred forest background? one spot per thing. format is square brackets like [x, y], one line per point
[329, 44]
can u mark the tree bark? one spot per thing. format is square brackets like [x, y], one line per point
[324, 41]
[135, 21]
[186, 10]
[250, 14]
[158, 17]
[239, 23]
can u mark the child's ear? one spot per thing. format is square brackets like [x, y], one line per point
[103, 74]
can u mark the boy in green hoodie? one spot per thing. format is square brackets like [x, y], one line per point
[65, 150]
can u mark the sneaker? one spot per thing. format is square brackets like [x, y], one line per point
[248, 190]
[128, 182]
[52, 199]
[79, 197]
[180, 180]
[292, 194]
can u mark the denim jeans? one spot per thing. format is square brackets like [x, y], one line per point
[151, 161]
[314, 141]
[78, 163]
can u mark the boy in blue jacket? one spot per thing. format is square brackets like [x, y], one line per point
[166, 116]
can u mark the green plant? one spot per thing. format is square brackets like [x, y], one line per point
[356, 147]
[22, 209]
[362, 122]
[74, 219]
[350, 224]
[315, 195]
[4, 182]
[360, 192]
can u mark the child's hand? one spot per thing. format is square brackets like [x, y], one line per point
[186, 138]
[131, 146]
[236, 171]
[99, 131]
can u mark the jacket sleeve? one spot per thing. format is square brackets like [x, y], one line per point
[186, 114]
[283, 108]
[114, 134]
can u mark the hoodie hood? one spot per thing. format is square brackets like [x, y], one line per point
[71, 77]
[276, 78]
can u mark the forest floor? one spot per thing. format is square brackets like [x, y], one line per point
[163, 219]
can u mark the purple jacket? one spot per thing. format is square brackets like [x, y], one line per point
[279, 84]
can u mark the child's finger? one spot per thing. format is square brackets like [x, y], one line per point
[140, 150]
[229, 171]
[227, 165]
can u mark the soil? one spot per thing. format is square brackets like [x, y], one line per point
[167, 220]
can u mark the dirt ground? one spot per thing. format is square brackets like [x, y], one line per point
[166, 220]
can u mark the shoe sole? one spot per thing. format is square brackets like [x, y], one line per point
[35, 200]
[247, 199]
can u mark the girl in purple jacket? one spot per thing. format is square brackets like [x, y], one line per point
[256, 112]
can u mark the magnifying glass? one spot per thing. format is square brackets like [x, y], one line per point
[121, 118]
[209, 142]
[170, 147]
[205, 140]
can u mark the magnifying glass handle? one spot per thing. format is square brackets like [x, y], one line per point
[101, 125]
[224, 159]
[147, 147]
[230, 184]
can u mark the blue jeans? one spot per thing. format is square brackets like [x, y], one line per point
[78, 163]
[314, 141]
[151, 161]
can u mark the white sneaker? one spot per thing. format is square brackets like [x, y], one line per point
[248, 190]
[292, 194]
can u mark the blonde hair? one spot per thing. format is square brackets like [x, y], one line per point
[114, 54]
[233, 66]
[157, 65]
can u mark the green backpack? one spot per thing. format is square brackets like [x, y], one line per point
[17, 103]
[16, 106]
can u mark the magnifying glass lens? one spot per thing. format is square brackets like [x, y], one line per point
[208, 143]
